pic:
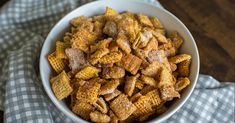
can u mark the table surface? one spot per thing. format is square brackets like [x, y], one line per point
[212, 24]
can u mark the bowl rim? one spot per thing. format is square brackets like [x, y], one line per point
[162, 117]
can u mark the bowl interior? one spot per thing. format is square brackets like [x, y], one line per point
[170, 22]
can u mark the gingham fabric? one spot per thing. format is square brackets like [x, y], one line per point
[24, 25]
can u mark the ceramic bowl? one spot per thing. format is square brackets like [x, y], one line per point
[170, 22]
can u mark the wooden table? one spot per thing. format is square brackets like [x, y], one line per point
[212, 23]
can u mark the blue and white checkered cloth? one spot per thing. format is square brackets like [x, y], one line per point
[24, 25]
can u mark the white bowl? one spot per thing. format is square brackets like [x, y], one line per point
[169, 21]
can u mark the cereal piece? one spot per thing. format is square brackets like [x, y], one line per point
[61, 86]
[113, 47]
[109, 11]
[130, 119]
[175, 74]
[82, 38]
[60, 50]
[144, 20]
[98, 28]
[179, 58]
[114, 72]
[129, 27]
[152, 69]
[152, 44]
[159, 56]
[161, 31]
[80, 83]
[146, 89]
[166, 45]
[148, 80]
[79, 43]
[73, 100]
[136, 90]
[101, 105]
[134, 30]
[174, 79]
[143, 106]
[83, 110]
[87, 73]
[160, 38]
[87, 37]
[110, 28]
[111, 96]
[161, 110]
[98, 80]
[99, 18]
[112, 57]
[128, 15]
[183, 68]
[145, 116]
[162, 104]
[99, 117]
[156, 23]
[70, 74]
[166, 86]
[130, 84]
[145, 37]
[131, 63]
[113, 117]
[109, 87]
[57, 64]
[165, 77]
[100, 45]
[142, 39]
[123, 43]
[135, 97]
[88, 92]
[76, 58]
[79, 20]
[155, 98]
[144, 64]
[113, 18]
[87, 25]
[139, 84]
[95, 57]
[142, 54]
[168, 92]
[73, 30]
[170, 52]
[173, 66]
[67, 37]
[181, 84]
[176, 39]
[122, 107]
[106, 65]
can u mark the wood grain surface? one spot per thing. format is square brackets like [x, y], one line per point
[212, 23]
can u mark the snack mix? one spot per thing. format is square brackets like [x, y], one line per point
[118, 67]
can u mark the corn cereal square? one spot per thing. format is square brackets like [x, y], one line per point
[88, 92]
[122, 107]
[61, 86]
[83, 109]
[57, 64]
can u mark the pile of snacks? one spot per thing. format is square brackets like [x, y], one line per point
[118, 67]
